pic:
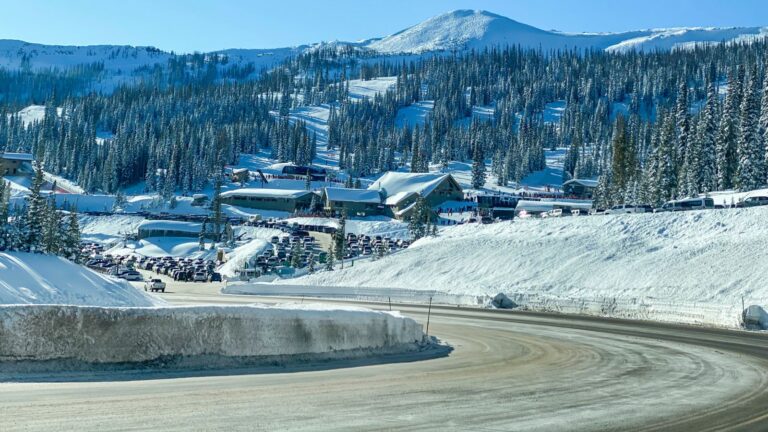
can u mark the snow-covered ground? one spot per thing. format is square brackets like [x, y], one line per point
[415, 114]
[692, 267]
[43, 279]
[108, 229]
[365, 89]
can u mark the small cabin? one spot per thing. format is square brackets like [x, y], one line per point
[580, 188]
[11, 163]
[241, 175]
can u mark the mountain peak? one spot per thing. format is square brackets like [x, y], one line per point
[464, 29]
[459, 29]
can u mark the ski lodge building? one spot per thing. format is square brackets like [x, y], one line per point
[164, 228]
[580, 188]
[268, 199]
[400, 191]
[355, 202]
[11, 163]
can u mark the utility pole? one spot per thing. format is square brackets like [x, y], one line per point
[429, 313]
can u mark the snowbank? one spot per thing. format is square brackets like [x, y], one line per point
[691, 267]
[237, 259]
[43, 279]
[92, 335]
[163, 246]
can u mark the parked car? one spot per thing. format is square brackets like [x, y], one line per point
[214, 277]
[753, 201]
[629, 208]
[200, 277]
[132, 276]
[154, 285]
[687, 204]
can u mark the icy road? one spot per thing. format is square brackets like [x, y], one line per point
[507, 372]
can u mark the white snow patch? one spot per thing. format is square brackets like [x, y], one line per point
[691, 267]
[44, 279]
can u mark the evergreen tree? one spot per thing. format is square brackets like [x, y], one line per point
[311, 263]
[203, 234]
[35, 216]
[330, 260]
[764, 117]
[706, 169]
[216, 213]
[52, 227]
[478, 168]
[297, 252]
[751, 171]
[418, 224]
[340, 239]
[727, 160]
[71, 243]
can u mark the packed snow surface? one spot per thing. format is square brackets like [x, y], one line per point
[44, 279]
[683, 267]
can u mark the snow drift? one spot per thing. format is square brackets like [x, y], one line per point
[44, 279]
[92, 335]
[691, 267]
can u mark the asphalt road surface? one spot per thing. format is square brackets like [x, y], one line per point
[507, 372]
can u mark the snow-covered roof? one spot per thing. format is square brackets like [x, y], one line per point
[353, 195]
[393, 183]
[582, 182]
[26, 157]
[266, 193]
[165, 225]
[239, 170]
[398, 197]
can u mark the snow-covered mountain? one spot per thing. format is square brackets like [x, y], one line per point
[468, 29]
[457, 30]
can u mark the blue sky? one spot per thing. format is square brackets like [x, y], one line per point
[207, 25]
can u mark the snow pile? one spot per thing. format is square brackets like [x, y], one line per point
[237, 259]
[186, 247]
[43, 279]
[93, 335]
[694, 267]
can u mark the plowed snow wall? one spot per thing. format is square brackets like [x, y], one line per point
[116, 335]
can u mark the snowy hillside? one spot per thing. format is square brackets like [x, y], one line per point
[685, 267]
[457, 30]
[44, 279]
[15, 54]
[468, 29]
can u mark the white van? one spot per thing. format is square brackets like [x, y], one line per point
[629, 208]
[687, 204]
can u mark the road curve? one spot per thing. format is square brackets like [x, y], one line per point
[507, 372]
